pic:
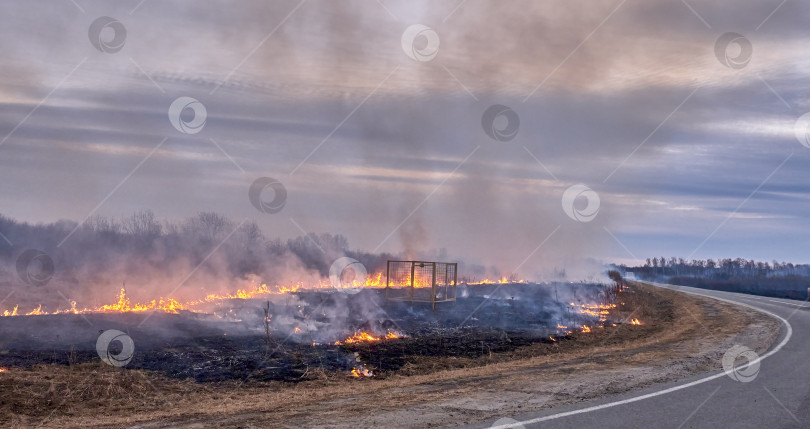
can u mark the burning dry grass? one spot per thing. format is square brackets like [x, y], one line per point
[365, 337]
[123, 304]
[679, 336]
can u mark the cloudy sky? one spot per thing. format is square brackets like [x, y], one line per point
[372, 116]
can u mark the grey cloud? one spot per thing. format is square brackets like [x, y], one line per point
[306, 78]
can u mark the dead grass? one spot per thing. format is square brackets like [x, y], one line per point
[681, 335]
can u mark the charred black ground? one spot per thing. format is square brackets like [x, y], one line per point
[232, 343]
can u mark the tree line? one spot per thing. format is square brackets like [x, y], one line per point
[778, 279]
[140, 249]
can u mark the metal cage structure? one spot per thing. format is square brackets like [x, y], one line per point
[421, 281]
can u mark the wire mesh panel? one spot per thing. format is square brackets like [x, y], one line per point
[421, 281]
[445, 289]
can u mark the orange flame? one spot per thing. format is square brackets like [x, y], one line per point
[365, 337]
[362, 372]
[171, 305]
[600, 311]
[10, 313]
[35, 312]
[635, 322]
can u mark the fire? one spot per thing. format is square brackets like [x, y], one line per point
[35, 312]
[600, 311]
[168, 305]
[585, 329]
[123, 303]
[361, 372]
[3, 370]
[564, 328]
[171, 305]
[364, 337]
[635, 322]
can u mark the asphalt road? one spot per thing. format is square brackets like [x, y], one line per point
[776, 396]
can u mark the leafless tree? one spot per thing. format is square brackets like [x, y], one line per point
[142, 225]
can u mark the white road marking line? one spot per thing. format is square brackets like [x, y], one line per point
[671, 389]
[789, 303]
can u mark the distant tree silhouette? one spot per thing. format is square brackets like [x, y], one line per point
[780, 279]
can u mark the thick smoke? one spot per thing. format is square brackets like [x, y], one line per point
[185, 260]
[210, 253]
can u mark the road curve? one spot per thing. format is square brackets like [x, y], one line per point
[778, 397]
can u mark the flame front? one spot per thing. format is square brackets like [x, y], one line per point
[365, 337]
[12, 312]
[600, 311]
[171, 305]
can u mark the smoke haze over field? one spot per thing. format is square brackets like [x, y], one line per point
[687, 155]
[186, 260]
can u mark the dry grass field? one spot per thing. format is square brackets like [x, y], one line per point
[680, 335]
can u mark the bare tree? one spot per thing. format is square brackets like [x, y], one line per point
[207, 225]
[103, 225]
[143, 225]
[251, 235]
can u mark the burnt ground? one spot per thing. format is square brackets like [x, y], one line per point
[681, 336]
[485, 320]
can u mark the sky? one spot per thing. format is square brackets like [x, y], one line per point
[622, 129]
